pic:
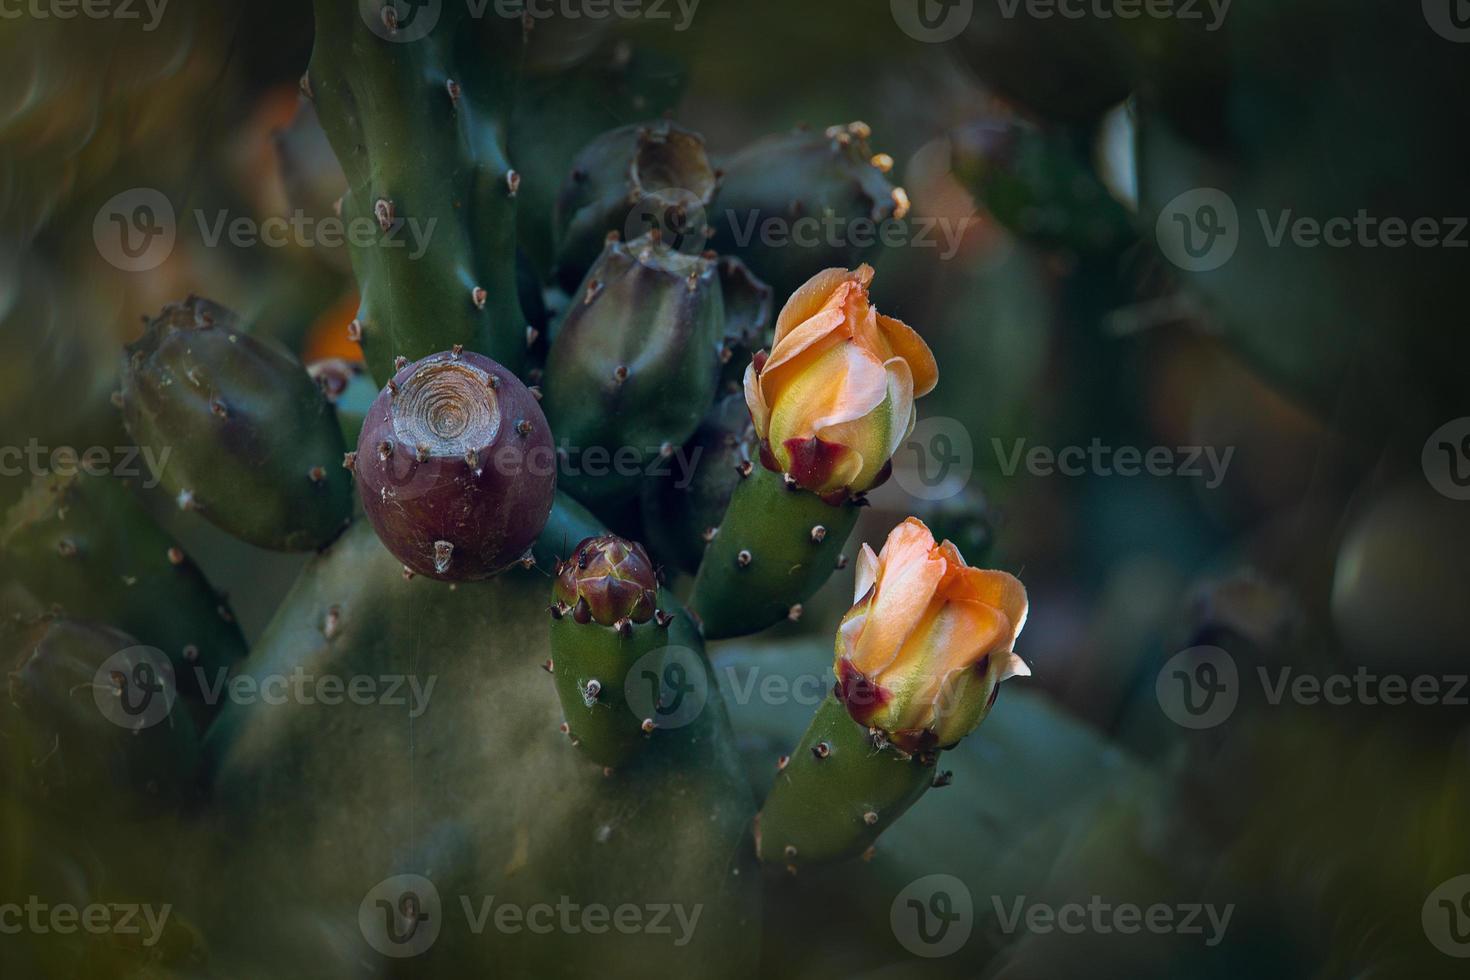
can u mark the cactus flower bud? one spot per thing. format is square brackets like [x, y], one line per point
[608, 579]
[923, 650]
[834, 399]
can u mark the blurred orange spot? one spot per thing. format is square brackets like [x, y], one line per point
[328, 334]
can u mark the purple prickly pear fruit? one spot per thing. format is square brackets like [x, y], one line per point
[456, 467]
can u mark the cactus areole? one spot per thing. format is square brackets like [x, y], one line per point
[456, 467]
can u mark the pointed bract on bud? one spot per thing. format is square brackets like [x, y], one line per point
[611, 578]
[834, 399]
[923, 650]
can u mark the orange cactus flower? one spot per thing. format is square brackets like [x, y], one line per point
[834, 399]
[923, 650]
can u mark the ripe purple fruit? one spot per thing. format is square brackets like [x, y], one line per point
[456, 467]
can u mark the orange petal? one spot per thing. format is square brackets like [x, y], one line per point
[867, 572]
[842, 384]
[908, 575]
[755, 400]
[907, 344]
[807, 301]
[804, 337]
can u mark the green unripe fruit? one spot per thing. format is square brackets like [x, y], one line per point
[249, 440]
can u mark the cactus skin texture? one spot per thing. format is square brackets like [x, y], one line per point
[634, 366]
[480, 792]
[679, 508]
[606, 617]
[84, 544]
[747, 318]
[632, 180]
[251, 441]
[1040, 186]
[68, 755]
[456, 467]
[419, 126]
[808, 176]
[839, 790]
[774, 549]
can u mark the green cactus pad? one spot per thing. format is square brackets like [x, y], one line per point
[249, 440]
[838, 791]
[479, 792]
[774, 549]
[85, 545]
[419, 122]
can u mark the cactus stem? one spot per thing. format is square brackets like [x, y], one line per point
[821, 751]
[175, 556]
[819, 534]
[648, 726]
[744, 558]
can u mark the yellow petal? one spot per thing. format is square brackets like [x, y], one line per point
[867, 572]
[907, 578]
[842, 384]
[755, 400]
[804, 337]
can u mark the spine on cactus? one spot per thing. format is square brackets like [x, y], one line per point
[456, 467]
[635, 364]
[84, 545]
[250, 441]
[605, 620]
[831, 403]
[632, 180]
[417, 109]
[831, 177]
[919, 661]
